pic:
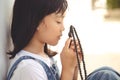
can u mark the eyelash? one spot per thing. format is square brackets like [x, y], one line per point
[59, 22]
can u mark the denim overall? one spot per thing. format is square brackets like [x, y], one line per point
[52, 72]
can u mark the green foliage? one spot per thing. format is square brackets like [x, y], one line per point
[113, 4]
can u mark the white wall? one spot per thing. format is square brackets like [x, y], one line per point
[5, 13]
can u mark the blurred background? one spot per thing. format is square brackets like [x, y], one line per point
[98, 26]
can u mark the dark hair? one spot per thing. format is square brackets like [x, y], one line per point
[27, 14]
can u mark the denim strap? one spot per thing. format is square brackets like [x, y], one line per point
[49, 71]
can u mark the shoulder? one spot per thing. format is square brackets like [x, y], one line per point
[30, 70]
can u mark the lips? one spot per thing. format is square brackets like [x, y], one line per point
[59, 36]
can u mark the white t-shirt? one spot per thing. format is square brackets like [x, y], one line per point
[30, 69]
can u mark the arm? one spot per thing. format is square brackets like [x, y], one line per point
[67, 74]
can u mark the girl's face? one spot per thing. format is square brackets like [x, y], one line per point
[50, 29]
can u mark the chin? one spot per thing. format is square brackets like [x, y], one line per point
[54, 43]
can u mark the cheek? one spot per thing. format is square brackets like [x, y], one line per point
[52, 33]
[52, 39]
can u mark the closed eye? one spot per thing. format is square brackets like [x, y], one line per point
[59, 22]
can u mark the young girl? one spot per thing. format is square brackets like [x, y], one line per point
[35, 24]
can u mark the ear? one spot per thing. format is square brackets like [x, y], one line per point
[38, 28]
[43, 23]
[41, 26]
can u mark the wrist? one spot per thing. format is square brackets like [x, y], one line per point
[67, 74]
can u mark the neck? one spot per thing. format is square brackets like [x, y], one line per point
[36, 47]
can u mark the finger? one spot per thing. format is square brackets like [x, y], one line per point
[73, 43]
[67, 44]
[70, 43]
[80, 56]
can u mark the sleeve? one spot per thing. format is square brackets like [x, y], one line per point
[29, 70]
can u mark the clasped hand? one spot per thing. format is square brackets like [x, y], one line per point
[68, 54]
